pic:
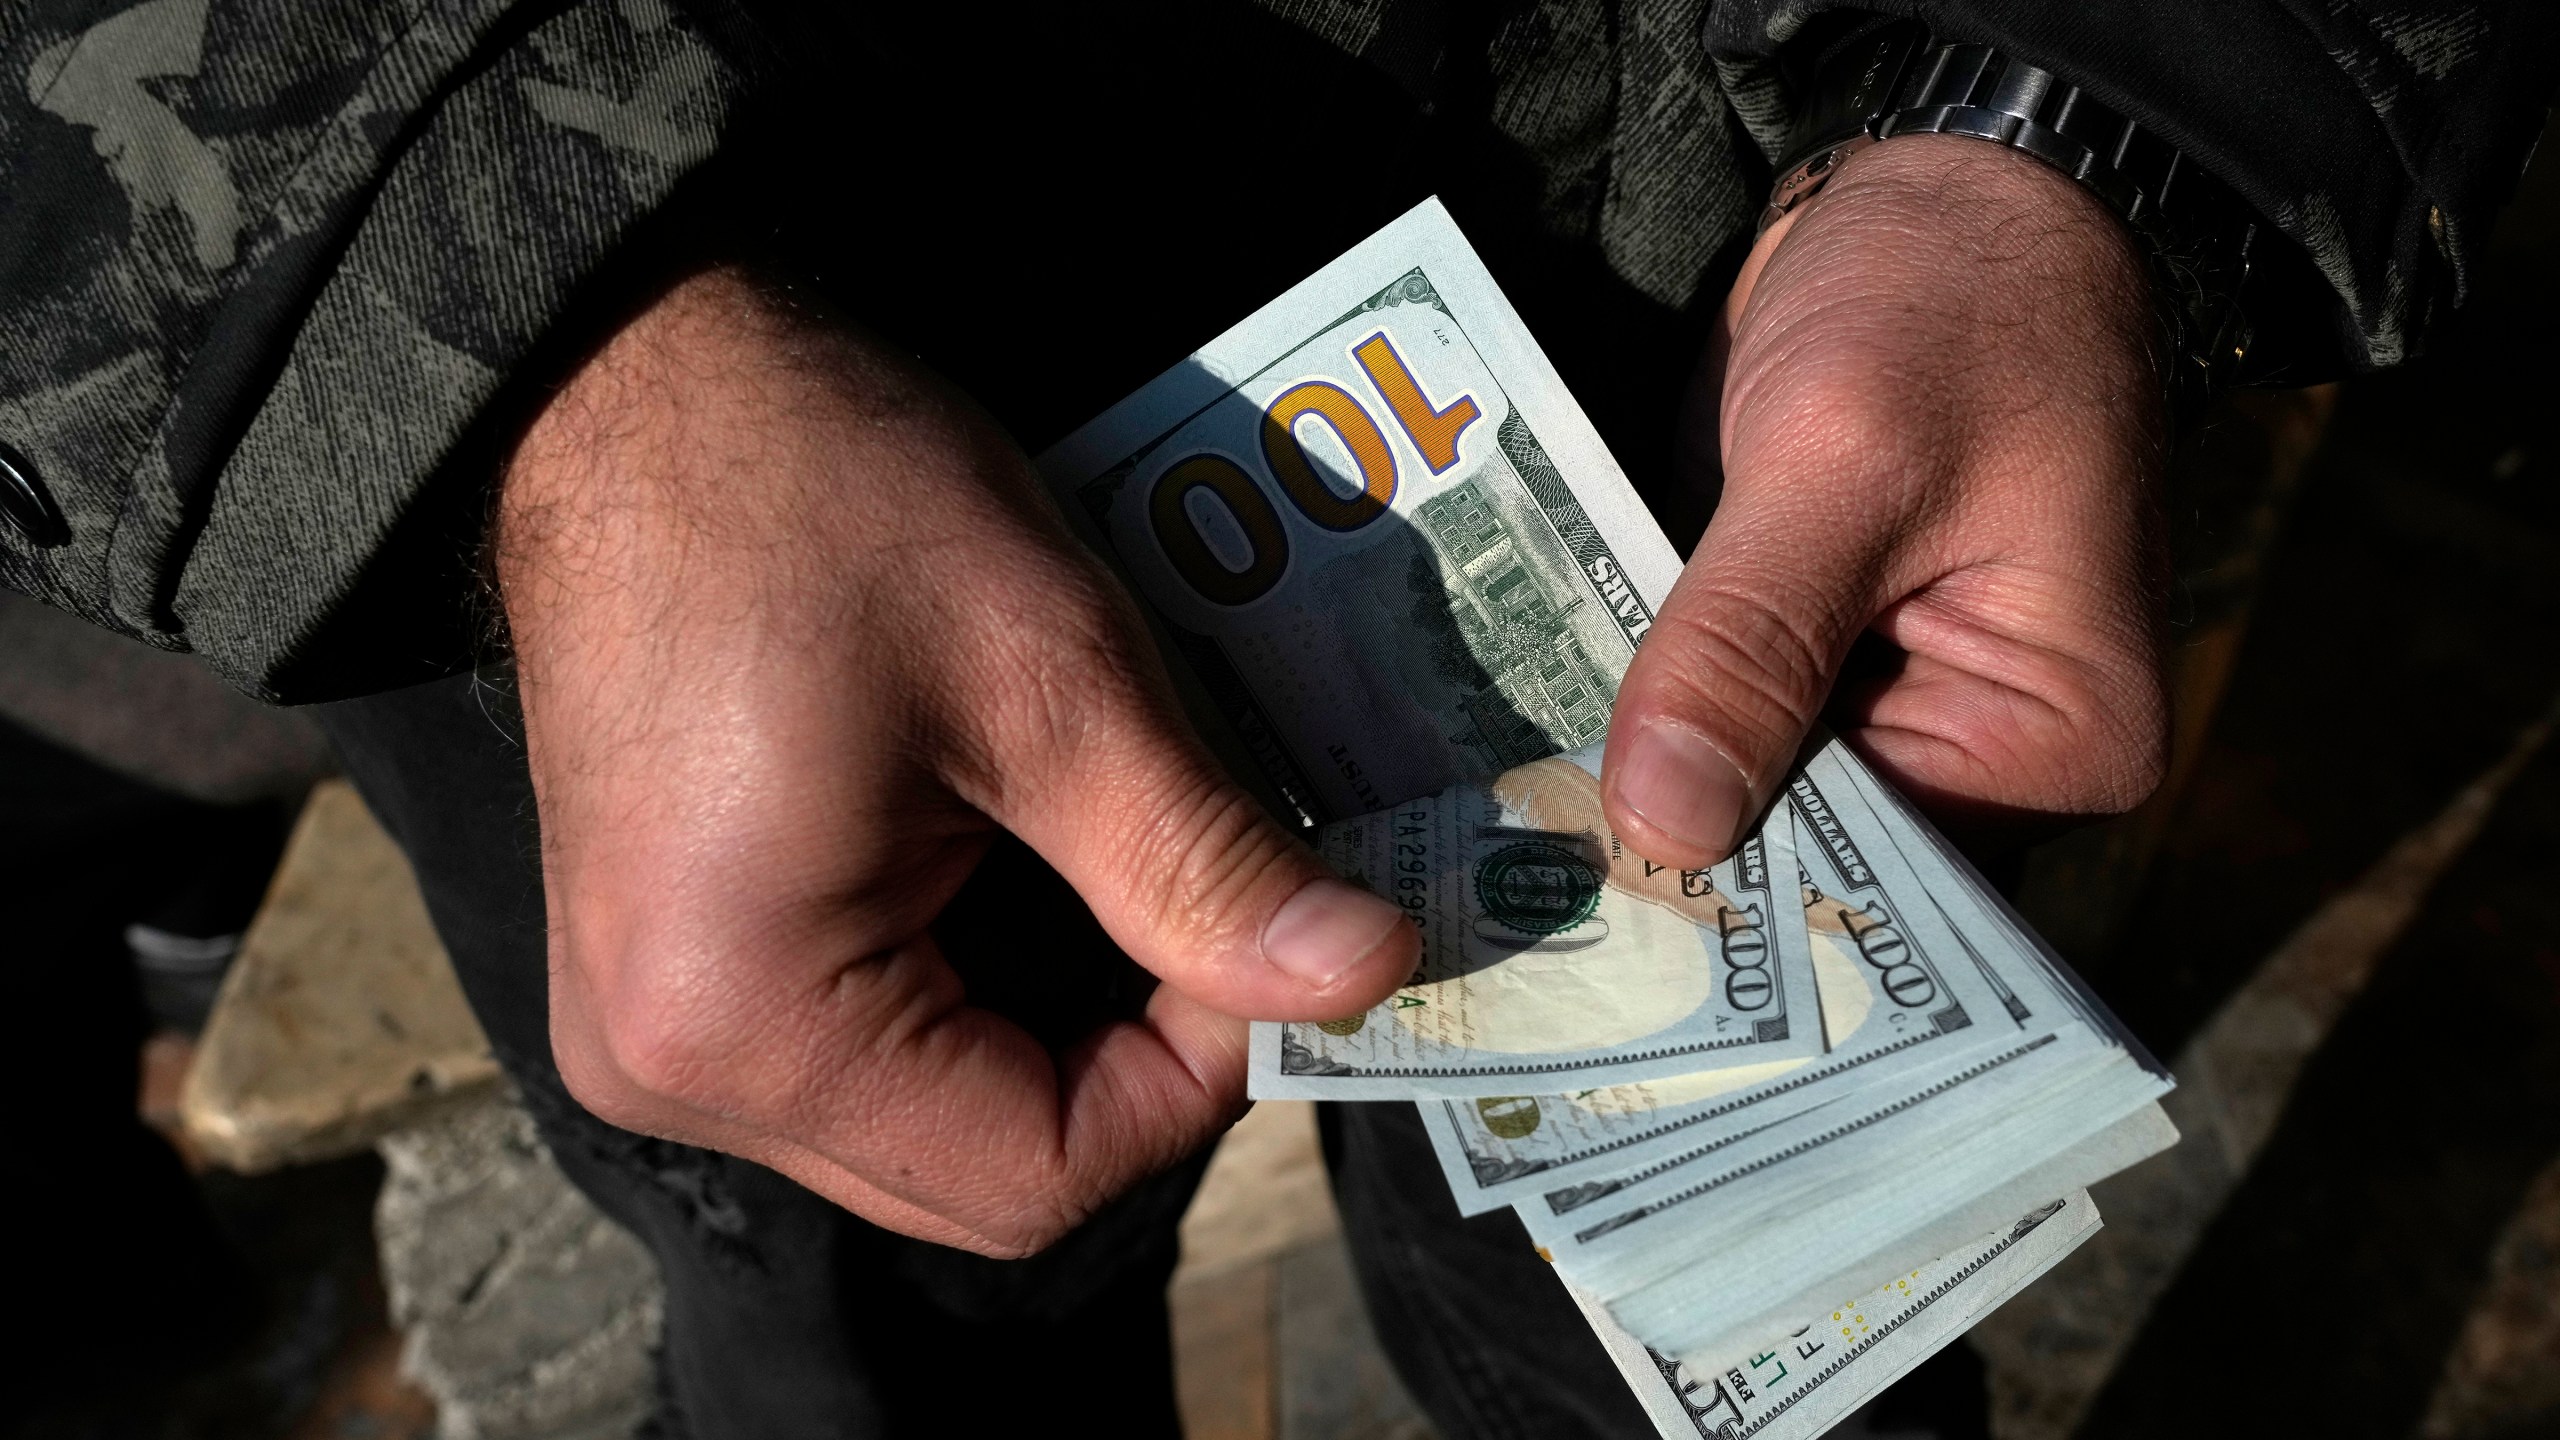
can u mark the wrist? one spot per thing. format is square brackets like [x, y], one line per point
[1880, 78]
[1964, 236]
[1990, 209]
[1945, 308]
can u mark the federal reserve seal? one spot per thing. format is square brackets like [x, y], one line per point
[1536, 887]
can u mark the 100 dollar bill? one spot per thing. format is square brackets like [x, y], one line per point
[1888, 1009]
[1872, 1174]
[1798, 1386]
[1349, 520]
[1552, 955]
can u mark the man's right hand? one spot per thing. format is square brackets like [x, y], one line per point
[796, 635]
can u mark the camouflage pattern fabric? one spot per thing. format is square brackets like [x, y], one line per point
[265, 263]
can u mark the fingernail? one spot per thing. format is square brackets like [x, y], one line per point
[1327, 929]
[1684, 787]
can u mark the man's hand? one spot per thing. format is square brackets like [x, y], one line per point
[796, 635]
[1939, 424]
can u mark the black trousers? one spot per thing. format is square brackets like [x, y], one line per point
[110, 1242]
[788, 1317]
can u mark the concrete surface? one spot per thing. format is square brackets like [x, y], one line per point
[2501, 1378]
[526, 1314]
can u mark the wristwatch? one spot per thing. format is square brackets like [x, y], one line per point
[1890, 77]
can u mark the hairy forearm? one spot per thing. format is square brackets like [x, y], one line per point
[797, 635]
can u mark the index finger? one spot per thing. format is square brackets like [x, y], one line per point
[952, 1124]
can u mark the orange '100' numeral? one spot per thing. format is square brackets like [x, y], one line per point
[1433, 432]
[1323, 400]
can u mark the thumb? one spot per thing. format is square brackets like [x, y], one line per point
[1187, 872]
[1724, 689]
[1720, 696]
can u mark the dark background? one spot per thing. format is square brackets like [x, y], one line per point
[2401, 631]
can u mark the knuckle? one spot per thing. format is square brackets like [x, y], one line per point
[1033, 1205]
[1808, 403]
[655, 1053]
[2079, 745]
[1057, 666]
[597, 1084]
[1033, 1226]
[665, 1047]
[1203, 854]
[1077, 669]
[1877, 448]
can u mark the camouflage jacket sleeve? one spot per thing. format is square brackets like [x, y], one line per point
[263, 266]
[2380, 136]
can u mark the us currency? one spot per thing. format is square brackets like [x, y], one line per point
[1350, 521]
[1943, 1019]
[1700, 1283]
[1552, 953]
[1692, 1247]
[1798, 1385]
[1888, 1009]
[1939, 869]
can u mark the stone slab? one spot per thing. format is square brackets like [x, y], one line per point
[1335, 1383]
[341, 1020]
[1222, 1352]
[1265, 1191]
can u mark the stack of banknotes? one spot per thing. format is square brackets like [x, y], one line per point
[1784, 1126]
